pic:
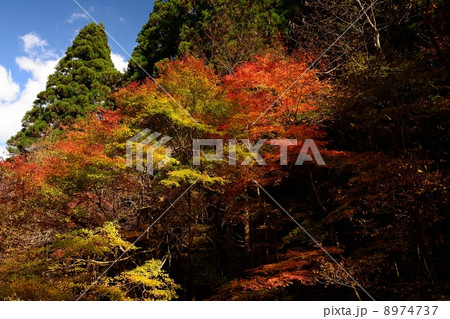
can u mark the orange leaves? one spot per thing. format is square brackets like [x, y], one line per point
[227, 106]
[77, 157]
[19, 166]
[90, 153]
[19, 178]
[297, 268]
[232, 103]
[84, 146]
[281, 86]
[282, 95]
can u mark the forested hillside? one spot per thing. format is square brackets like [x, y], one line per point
[368, 83]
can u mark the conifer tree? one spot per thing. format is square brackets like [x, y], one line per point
[160, 36]
[224, 32]
[81, 83]
[230, 32]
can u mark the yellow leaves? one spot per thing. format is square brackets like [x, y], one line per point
[195, 91]
[190, 176]
[89, 243]
[164, 106]
[60, 270]
[148, 281]
[110, 230]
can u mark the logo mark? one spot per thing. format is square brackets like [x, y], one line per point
[308, 146]
[148, 142]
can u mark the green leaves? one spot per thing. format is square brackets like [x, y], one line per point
[224, 32]
[159, 37]
[82, 82]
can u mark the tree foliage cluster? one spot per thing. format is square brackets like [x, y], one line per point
[376, 105]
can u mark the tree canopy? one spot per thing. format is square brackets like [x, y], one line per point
[82, 81]
[376, 106]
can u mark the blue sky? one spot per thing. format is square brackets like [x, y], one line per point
[36, 34]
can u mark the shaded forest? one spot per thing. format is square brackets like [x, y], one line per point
[369, 83]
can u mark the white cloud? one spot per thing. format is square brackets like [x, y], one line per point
[32, 42]
[77, 16]
[40, 63]
[3, 152]
[121, 19]
[40, 69]
[119, 62]
[8, 88]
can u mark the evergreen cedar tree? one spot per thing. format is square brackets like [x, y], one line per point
[376, 105]
[81, 83]
[224, 32]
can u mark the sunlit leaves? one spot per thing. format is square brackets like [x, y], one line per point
[148, 282]
[275, 96]
[176, 177]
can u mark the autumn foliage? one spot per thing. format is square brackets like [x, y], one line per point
[71, 208]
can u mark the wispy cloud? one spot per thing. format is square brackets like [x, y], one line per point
[121, 19]
[32, 41]
[77, 16]
[33, 45]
